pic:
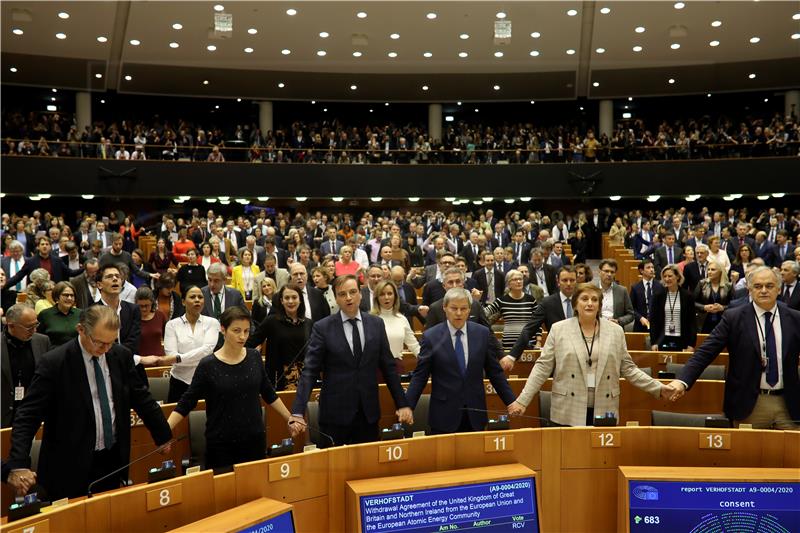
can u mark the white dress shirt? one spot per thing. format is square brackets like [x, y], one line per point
[776, 329]
[464, 341]
[192, 346]
[607, 310]
[99, 441]
[399, 332]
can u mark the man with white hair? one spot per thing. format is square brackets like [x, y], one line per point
[762, 386]
[790, 295]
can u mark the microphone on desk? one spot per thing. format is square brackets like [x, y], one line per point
[547, 421]
[122, 468]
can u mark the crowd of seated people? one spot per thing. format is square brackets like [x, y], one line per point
[463, 142]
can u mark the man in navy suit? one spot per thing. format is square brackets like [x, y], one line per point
[350, 346]
[456, 354]
[784, 251]
[490, 280]
[763, 248]
[642, 295]
[521, 248]
[330, 246]
[762, 386]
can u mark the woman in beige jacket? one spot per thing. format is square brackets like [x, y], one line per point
[588, 354]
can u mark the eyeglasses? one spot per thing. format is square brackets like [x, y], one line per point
[32, 327]
[112, 276]
[67, 295]
[100, 345]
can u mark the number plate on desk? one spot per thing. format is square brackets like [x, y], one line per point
[393, 452]
[284, 470]
[606, 439]
[715, 441]
[164, 497]
[498, 443]
[42, 526]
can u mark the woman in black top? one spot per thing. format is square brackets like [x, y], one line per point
[287, 332]
[673, 326]
[231, 380]
[415, 256]
[192, 273]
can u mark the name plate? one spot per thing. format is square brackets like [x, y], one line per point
[393, 452]
[715, 441]
[42, 526]
[284, 470]
[606, 439]
[164, 497]
[498, 443]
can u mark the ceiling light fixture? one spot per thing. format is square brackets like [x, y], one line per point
[361, 15]
[496, 87]
[281, 85]
[324, 34]
[671, 81]
[601, 50]
[462, 55]
[615, 198]
[427, 54]
[353, 87]
[534, 53]
[61, 36]
[248, 50]
[572, 13]
[135, 42]
[357, 54]
[17, 31]
[392, 54]
[675, 46]
[755, 40]
[128, 77]
[796, 16]
[637, 48]
[679, 5]
[98, 76]
[570, 52]
[322, 53]
[174, 45]
[102, 39]
[525, 198]
[716, 24]
[536, 35]
[291, 12]
[752, 76]
[500, 15]
[252, 31]
[431, 16]
[713, 43]
[596, 84]
[63, 15]
[211, 48]
[498, 54]
[177, 26]
[639, 29]
[394, 36]
[219, 7]
[796, 36]
[238, 99]
[605, 10]
[425, 87]
[205, 82]
[464, 36]
[286, 51]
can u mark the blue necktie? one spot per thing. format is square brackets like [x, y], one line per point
[19, 285]
[669, 259]
[105, 406]
[459, 348]
[569, 312]
[772, 351]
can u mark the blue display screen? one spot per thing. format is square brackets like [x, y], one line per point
[282, 523]
[500, 506]
[714, 507]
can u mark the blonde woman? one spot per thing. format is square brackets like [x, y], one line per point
[711, 297]
[386, 304]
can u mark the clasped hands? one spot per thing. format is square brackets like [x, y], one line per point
[297, 425]
[673, 391]
[22, 480]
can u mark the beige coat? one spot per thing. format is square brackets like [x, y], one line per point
[565, 352]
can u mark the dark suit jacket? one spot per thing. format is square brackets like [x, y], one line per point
[436, 316]
[499, 283]
[60, 397]
[639, 302]
[325, 248]
[738, 332]
[347, 382]
[232, 297]
[547, 312]
[39, 345]
[549, 277]
[82, 294]
[691, 276]
[660, 258]
[788, 256]
[471, 257]
[658, 319]
[319, 305]
[60, 270]
[794, 300]
[451, 390]
[130, 326]
[766, 252]
[432, 291]
[526, 252]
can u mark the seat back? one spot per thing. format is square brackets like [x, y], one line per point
[159, 388]
[421, 416]
[544, 407]
[667, 418]
[197, 437]
[711, 372]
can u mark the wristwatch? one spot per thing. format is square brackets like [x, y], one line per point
[177, 358]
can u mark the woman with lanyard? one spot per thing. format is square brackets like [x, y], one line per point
[233, 382]
[287, 332]
[586, 355]
[187, 340]
[673, 325]
[243, 275]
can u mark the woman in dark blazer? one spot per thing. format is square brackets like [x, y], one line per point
[578, 243]
[672, 320]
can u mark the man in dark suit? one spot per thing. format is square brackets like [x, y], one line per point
[271, 249]
[13, 264]
[217, 296]
[408, 297]
[522, 249]
[669, 254]
[642, 295]
[44, 258]
[698, 236]
[472, 252]
[458, 396]
[100, 234]
[330, 246]
[317, 307]
[257, 252]
[85, 285]
[762, 387]
[374, 276]
[783, 249]
[742, 237]
[72, 392]
[697, 270]
[27, 239]
[490, 280]
[542, 274]
[350, 346]
[764, 249]
[553, 308]
[21, 349]
[790, 292]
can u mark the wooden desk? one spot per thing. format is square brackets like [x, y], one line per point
[240, 517]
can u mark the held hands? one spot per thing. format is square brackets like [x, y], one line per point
[166, 450]
[297, 425]
[405, 415]
[150, 360]
[423, 310]
[507, 363]
[22, 480]
[476, 294]
[515, 409]
[646, 323]
[678, 388]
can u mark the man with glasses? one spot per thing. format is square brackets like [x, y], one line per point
[762, 386]
[617, 306]
[21, 349]
[83, 391]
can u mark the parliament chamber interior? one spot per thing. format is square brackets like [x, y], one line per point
[392, 266]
